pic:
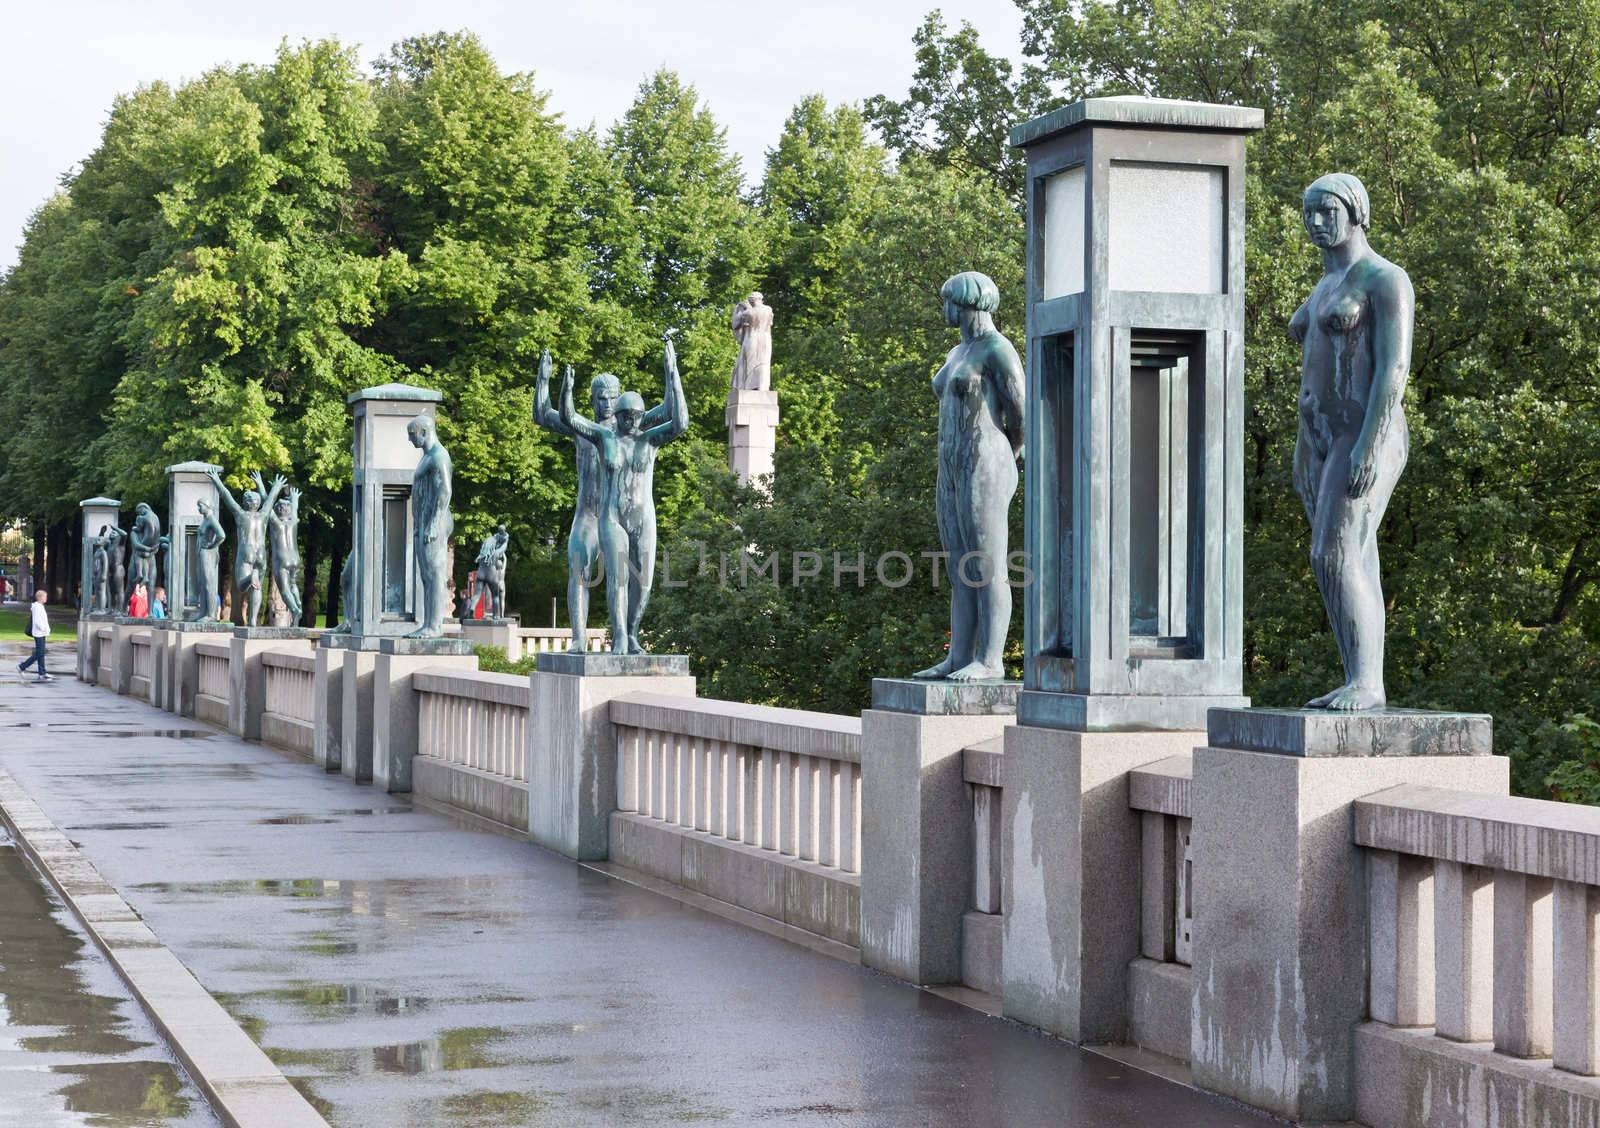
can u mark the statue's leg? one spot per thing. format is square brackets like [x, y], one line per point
[1345, 559]
[958, 653]
[583, 550]
[641, 579]
[614, 551]
[987, 515]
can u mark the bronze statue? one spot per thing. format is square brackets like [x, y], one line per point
[1355, 337]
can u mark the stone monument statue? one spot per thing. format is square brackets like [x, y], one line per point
[431, 525]
[146, 540]
[250, 555]
[627, 460]
[283, 529]
[583, 542]
[117, 570]
[980, 394]
[492, 570]
[100, 570]
[752, 328]
[1355, 339]
[208, 537]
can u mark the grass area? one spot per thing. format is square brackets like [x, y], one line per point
[12, 622]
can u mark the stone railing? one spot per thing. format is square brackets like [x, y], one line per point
[477, 720]
[1159, 980]
[548, 640]
[780, 787]
[1484, 924]
[983, 927]
[784, 780]
[472, 743]
[144, 663]
[103, 657]
[287, 720]
[213, 682]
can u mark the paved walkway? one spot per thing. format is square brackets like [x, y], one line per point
[404, 968]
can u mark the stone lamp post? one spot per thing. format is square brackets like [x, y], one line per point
[1135, 323]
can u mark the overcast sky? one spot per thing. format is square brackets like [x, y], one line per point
[63, 61]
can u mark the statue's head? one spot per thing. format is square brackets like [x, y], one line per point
[1333, 207]
[754, 298]
[252, 500]
[630, 411]
[283, 508]
[420, 432]
[604, 391]
[500, 531]
[204, 507]
[143, 510]
[968, 290]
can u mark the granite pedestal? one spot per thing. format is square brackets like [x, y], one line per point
[916, 810]
[572, 744]
[394, 701]
[501, 633]
[1072, 853]
[123, 628]
[247, 698]
[1280, 889]
[182, 662]
[327, 706]
[359, 654]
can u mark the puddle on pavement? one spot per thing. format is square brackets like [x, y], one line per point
[74, 1047]
[121, 826]
[294, 820]
[171, 734]
[467, 1047]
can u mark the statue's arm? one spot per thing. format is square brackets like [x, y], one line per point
[443, 489]
[278, 482]
[575, 423]
[224, 493]
[544, 412]
[1008, 385]
[677, 421]
[1393, 313]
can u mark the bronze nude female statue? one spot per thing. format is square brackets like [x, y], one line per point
[979, 389]
[1355, 337]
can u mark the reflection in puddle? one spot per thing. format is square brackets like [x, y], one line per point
[463, 1048]
[73, 1047]
[293, 820]
[173, 734]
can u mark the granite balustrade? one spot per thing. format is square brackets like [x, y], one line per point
[471, 742]
[1484, 957]
[213, 681]
[288, 719]
[756, 806]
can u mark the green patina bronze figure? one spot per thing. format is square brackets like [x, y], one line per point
[146, 540]
[1355, 337]
[283, 528]
[491, 570]
[583, 542]
[431, 525]
[250, 555]
[979, 389]
[627, 506]
[208, 548]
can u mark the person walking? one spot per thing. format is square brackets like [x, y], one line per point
[38, 630]
[158, 605]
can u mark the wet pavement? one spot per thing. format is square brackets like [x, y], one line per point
[74, 1047]
[405, 968]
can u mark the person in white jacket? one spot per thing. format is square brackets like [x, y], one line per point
[39, 628]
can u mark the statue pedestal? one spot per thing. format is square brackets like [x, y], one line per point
[176, 664]
[915, 808]
[572, 744]
[493, 632]
[247, 676]
[752, 419]
[1280, 944]
[394, 702]
[352, 698]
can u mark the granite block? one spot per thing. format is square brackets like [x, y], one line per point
[606, 665]
[1322, 732]
[946, 698]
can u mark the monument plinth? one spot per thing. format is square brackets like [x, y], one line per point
[602, 664]
[993, 697]
[188, 485]
[385, 599]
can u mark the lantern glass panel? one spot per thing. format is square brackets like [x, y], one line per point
[1064, 224]
[1167, 229]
